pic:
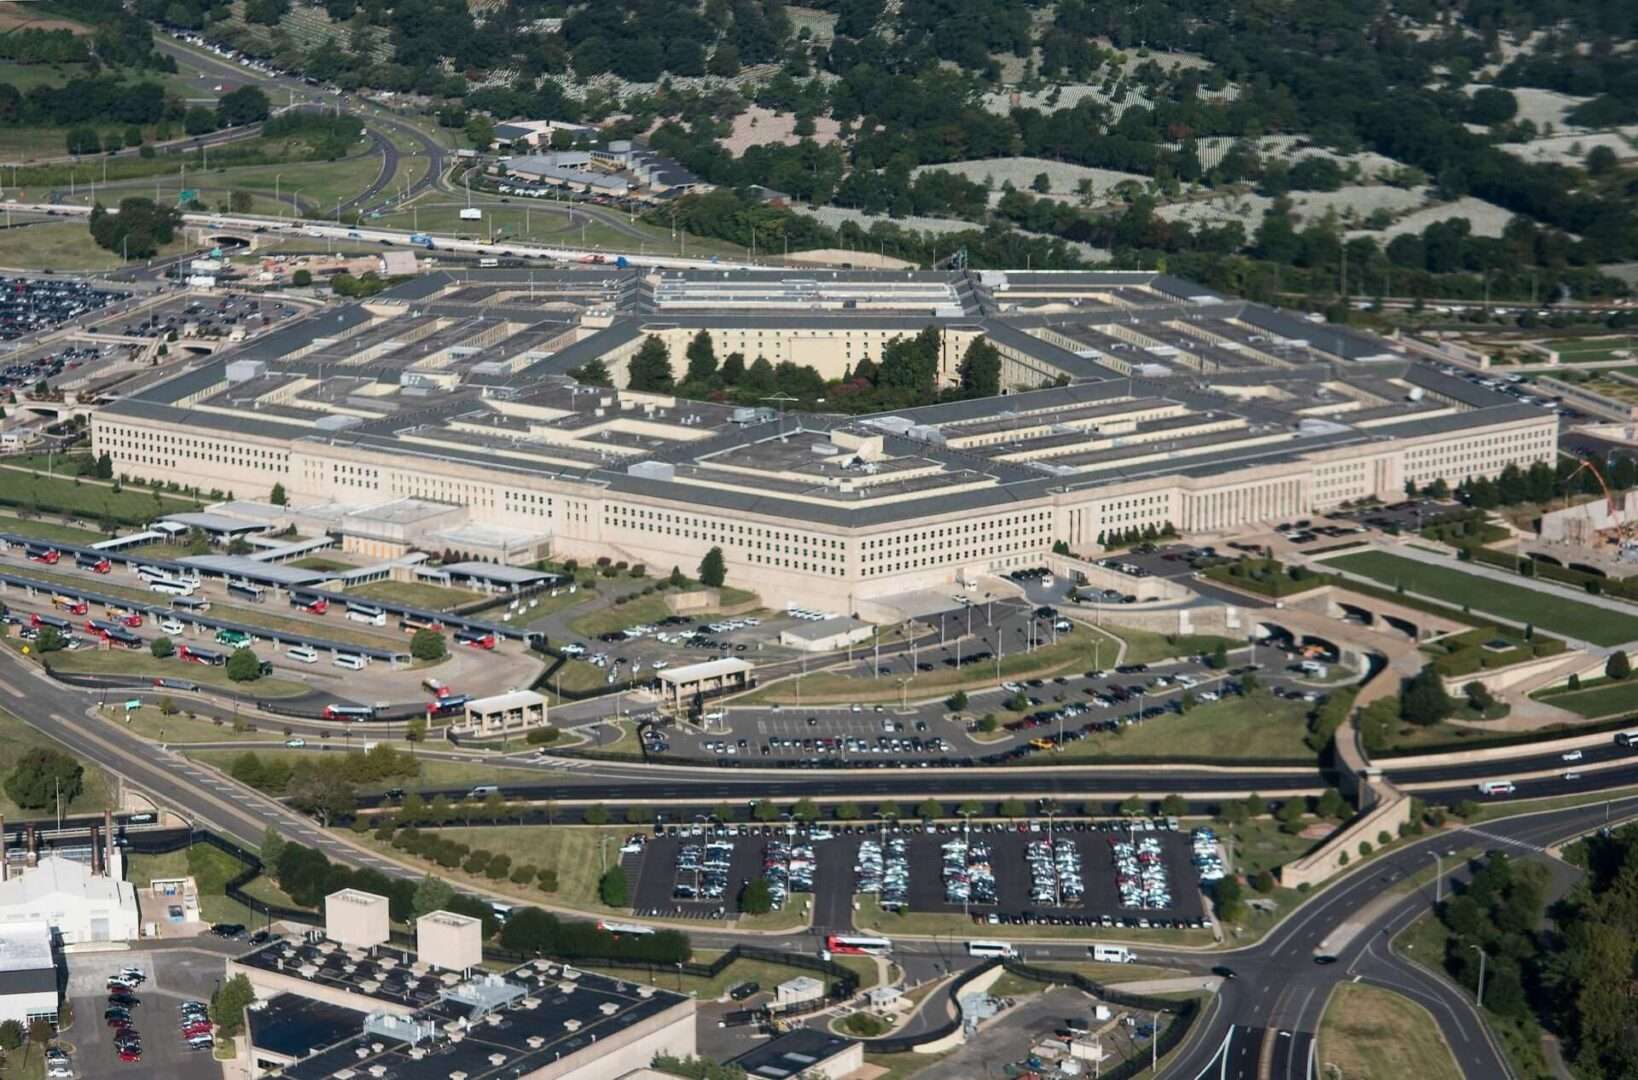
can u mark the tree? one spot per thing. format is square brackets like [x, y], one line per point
[756, 898]
[1290, 816]
[595, 814]
[428, 644]
[1618, 666]
[988, 723]
[42, 776]
[1256, 805]
[246, 105]
[1331, 804]
[325, 793]
[1219, 656]
[277, 496]
[1132, 806]
[929, 809]
[611, 887]
[139, 229]
[1423, 700]
[161, 648]
[12, 1035]
[49, 640]
[713, 569]
[702, 358]
[805, 810]
[848, 811]
[650, 369]
[83, 140]
[764, 810]
[272, 846]
[228, 1004]
[479, 131]
[1479, 697]
[244, 665]
[105, 466]
[956, 702]
[733, 369]
[301, 278]
[1174, 806]
[592, 373]
[980, 370]
[1229, 899]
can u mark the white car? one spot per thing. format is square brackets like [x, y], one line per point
[171, 626]
[1571, 755]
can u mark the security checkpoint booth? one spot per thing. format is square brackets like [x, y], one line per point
[683, 687]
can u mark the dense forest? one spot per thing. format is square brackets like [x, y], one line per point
[1575, 974]
[907, 88]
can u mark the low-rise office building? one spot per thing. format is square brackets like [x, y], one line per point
[1128, 400]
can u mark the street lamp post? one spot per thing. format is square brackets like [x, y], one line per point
[1480, 950]
[1438, 878]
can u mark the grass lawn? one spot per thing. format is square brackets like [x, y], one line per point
[1424, 942]
[1352, 1036]
[1261, 845]
[577, 853]
[149, 723]
[871, 917]
[319, 562]
[1146, 646]
[435, 774]
[1609, 700]
[1261, 726]
[17, 739]
[1550, 611]
[639, 609]
[797, 912]
[211, 870]
[88, 499]
[903, 1066]
[61, 245]
[142, 663]
[164, 551]
[416, 593]
[37, 529]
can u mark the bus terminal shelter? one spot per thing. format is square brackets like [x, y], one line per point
[681, 686]
[503, 714]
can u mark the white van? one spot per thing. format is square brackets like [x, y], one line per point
[1497, 787]
[350, 661]
[302, 654]
[483, 791]
[1112, 954]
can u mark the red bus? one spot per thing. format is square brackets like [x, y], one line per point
[852, 946]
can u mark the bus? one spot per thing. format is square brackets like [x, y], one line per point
[608, 926]
[171, 587]
[349, 712]
[121, 636]
[318, 605]
[42, 554]
[435, 687]
[988, 948]
[233, 639]
[62, 625]
[73, 607]
[1497, 787]
[447, 706]
[849, 945]
[1626, 738]
[360, 608]
[97, 564]
[149, 573]
[377, 619]
[411, 623]
[478, 639]
[244, 590]
[194, 605]
[200, 656]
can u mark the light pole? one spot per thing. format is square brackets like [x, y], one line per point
[279, 202]
[1480, 997]
[1438, 878]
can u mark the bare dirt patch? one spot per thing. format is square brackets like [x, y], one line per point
[758, 126]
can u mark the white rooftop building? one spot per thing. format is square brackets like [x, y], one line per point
[28, 974]
[76, 901]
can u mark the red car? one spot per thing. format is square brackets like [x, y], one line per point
[201, 1027]
[130, 1055]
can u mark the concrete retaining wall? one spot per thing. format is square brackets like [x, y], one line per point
[1390, 810]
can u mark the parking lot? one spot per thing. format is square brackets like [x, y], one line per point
[31, 305]
[1098, 892]
[174, 975]
[214, 318]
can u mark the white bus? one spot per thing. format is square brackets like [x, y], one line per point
[171, 587]
[989, 948]
[1112, 954]
[1497, 787]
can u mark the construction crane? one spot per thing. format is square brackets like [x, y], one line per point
[1617, 522]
